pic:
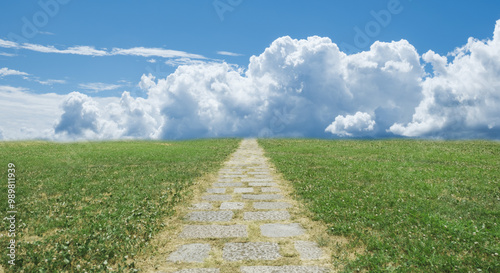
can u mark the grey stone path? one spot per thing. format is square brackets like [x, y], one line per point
[245, 203]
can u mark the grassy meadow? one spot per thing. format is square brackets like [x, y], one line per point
[413, 206]
[92, 206]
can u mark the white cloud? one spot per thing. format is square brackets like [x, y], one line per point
[76, 50]
[99, 86]
[154, 52]
[26, 115]
[7, 54]
[46, 33]
[50, 82]
[10, 72]
[296, 88]
[227, 53]
[92, 51]
[351, 125]
[462, 100]
[183, 61]
[151, 61]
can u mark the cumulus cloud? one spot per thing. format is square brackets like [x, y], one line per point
[306, 88]
[351, 125]
[80, 116]
[462, 100]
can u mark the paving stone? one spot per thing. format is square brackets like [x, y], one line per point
[262, 196]
[199, 270]
[214, 231]
[266, 173]
[243, 190]
[284, 269]
[271, 205]
[202, 206]
[256, 179]
[270, 190]
[259, 184]
[192, 253]
[216, 197]
[281, 230]
[216, 190]
[210, 216]
[263, 176]
[233, 176]
[222, 185]
[232, 205]
[308, 250]
[266, 215]
[230, 172]
[250, 251]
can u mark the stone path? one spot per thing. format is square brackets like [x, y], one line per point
[243, 223]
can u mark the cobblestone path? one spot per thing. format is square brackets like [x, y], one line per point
[245, 223]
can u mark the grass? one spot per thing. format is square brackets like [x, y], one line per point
[93, 206]
[414, 206]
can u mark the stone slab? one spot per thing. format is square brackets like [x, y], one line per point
[308, 250]
[280, 215]
[284, 269]
[233, 176]
[230, 172]
[262, 176]
[222, 185]
[210, 216]
[216, 197]
[281, 230]
[192, 253]
[270, 190]
[214, 231]
[243, 190]
[232, 205]
[202, 206]
[259, 184]
[199, 270]
[260, 173]
[271, 205]
[216, 190]
[262, 196]
[250, 251]
[256, 179]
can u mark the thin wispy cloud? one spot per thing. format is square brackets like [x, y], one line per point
[92, 51]
[46, 33]
[51, 82]
[227, 53]
[7, 54]
[154, 52]
[99, 86]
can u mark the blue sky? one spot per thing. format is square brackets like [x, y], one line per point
[197, 30]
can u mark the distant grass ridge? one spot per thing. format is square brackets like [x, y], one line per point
[90, 206]
[416, 206]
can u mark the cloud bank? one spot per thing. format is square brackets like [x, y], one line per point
[307, 88]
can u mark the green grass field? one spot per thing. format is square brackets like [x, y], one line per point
[95, 205]
[414, 206]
